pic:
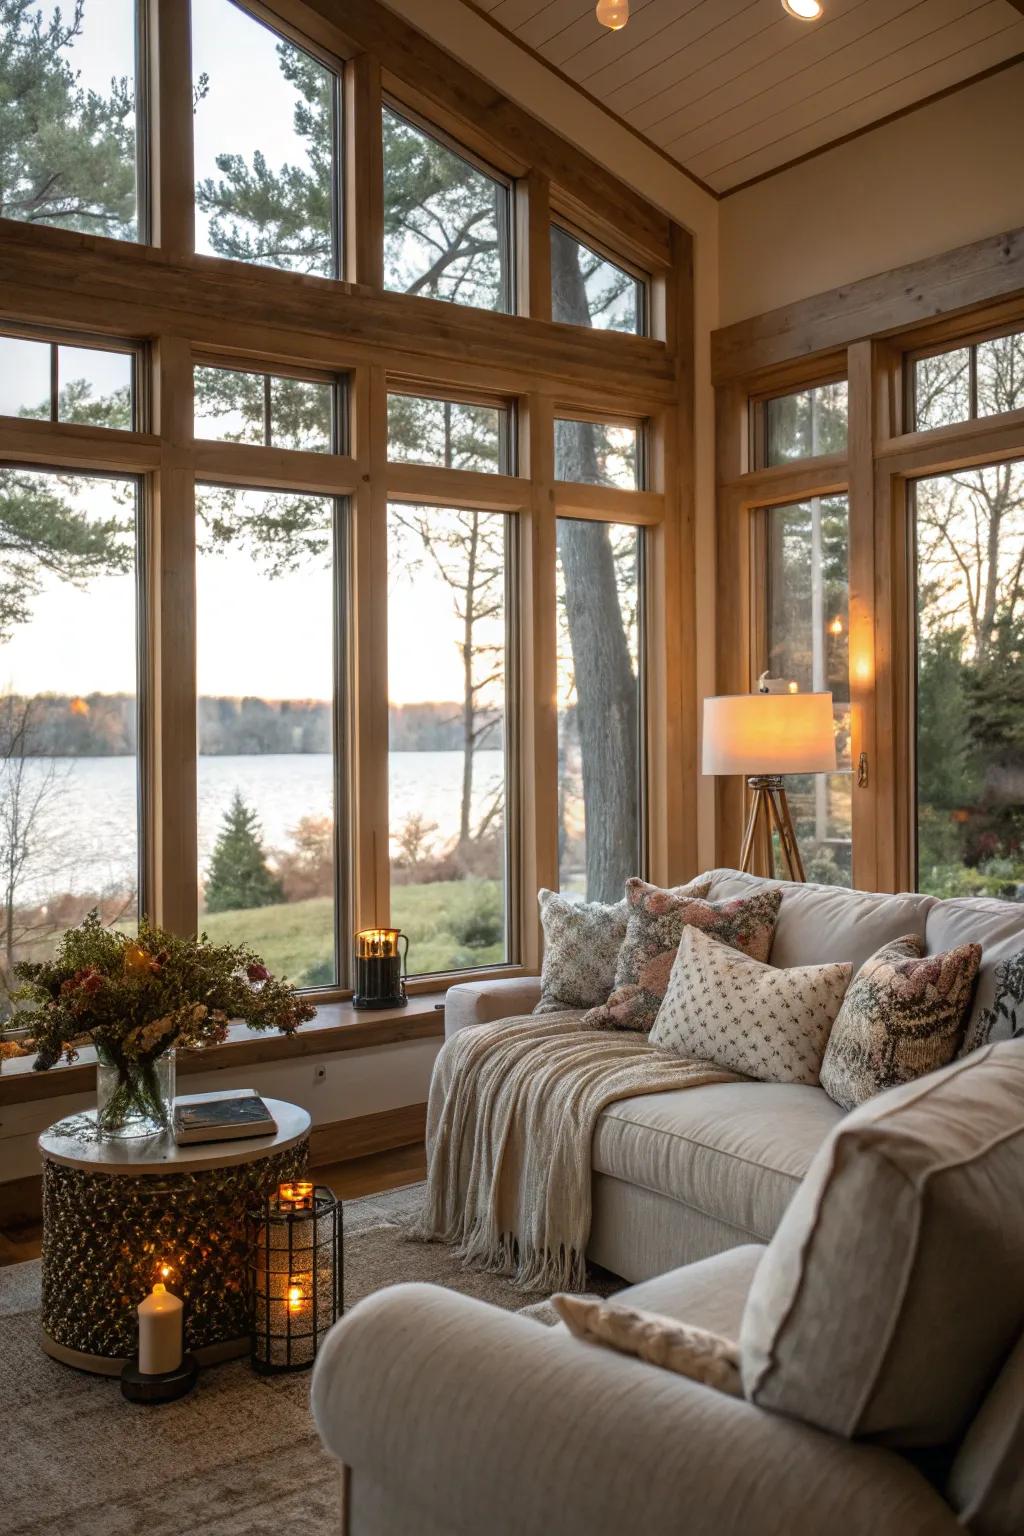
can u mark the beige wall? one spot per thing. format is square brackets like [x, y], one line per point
[940, 177]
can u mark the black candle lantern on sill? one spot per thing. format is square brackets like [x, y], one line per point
[380, 969]
[295, 1276]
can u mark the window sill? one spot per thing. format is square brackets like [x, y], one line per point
[337, 1027]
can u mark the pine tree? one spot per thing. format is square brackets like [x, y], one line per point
[239, 875]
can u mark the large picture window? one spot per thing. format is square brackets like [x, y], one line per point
[68, 93]
[268, 635]
[266, 144]
[969, 534]
[69, 780]
[600, 777]
[808, 624]
[448, 735]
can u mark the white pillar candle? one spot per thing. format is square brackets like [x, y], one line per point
[160, 1332]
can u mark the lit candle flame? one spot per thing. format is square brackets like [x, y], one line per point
[296, 1296]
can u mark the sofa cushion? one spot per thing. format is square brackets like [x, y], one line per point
[656, 921]
[986, 1485]
[711, 1293]
[818, 924]
[735, 1151]
[485, 1002]
[903, 1016]
[894, 1288]
[725, 1007]
[998, 926]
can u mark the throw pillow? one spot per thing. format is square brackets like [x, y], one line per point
[725, 1007]
[893, 1289]
[655, 926]
[582, 940]
[1007, 1011]
[903, 1016]
[689, 1351]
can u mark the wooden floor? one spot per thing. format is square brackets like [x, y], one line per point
[350, 1180]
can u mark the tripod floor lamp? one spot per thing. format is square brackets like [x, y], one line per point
[765, 736]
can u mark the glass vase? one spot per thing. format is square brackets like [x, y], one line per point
[134, 1098]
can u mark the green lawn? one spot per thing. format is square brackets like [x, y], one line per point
[451, 925]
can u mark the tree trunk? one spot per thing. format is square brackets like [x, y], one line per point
[606, 688]
[468, 691]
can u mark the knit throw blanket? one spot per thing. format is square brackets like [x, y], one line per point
[510, 1121]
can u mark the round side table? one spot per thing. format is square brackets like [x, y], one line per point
[114, 1212]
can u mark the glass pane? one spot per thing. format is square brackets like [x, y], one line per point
[597, 453]
[588, 289]
[942, 389]
[68, 767]
[446, 693]
[67, 83]
[806, 424]
[95, 387]
[1000, 374]
[808, 643]
[970, 682]
[300, 414]
[229, 405]
[265, 673]
[599, 767]
[264, 144]
[446, 432]
[24, 378]
[446, 222]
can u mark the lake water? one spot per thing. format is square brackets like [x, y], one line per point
[85, 837]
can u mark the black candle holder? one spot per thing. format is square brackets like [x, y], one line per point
[379, 969]
[295, 1276]
[164, 1387]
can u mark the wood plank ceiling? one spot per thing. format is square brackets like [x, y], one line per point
[734, 89]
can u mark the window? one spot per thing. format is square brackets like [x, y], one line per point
[600, 774]
[808, 644]
[262, 408]
[598, 453]
[806, 424]
[446, 221]
[983, 379]
[69, 811]
[588, 289]
[452, 433]
[48, 381]
[969, 529]
[266, 144]
[447, 574]
[67, 78]
[267, 773]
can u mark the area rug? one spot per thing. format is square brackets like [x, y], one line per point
[238, 1457]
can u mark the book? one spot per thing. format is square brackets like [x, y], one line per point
[222, 1117]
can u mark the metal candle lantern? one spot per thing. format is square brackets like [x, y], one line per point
[295, 1276]
[380, 969]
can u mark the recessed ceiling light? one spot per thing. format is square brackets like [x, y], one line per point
[804, 10]
[614, 14]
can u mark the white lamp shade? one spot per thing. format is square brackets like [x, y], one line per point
[766, 733]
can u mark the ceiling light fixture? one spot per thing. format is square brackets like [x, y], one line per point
[803, 10]
[614, 14]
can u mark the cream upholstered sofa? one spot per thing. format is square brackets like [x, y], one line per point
[453, 1418]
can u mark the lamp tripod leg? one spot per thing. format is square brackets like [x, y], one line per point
[787, 835]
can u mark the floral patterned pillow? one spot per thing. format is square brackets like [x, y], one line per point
[656, 922]
[903, 1016]
[582, 940]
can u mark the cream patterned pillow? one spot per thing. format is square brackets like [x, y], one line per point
[680, 1347]
[903, 1016]
[724, 1007]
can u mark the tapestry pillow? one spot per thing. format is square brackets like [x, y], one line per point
[655, 925]
[680, 1347]
[903, 1016]
[582, 940]
[893, 1290]
[1006, 1014]
[724, 1007]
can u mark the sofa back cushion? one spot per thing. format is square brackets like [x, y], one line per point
[998, 926]
[986, 1481]
[893, 1289]
[818, 924]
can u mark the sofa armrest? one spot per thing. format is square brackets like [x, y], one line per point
[478, 1420]
[484, 1002]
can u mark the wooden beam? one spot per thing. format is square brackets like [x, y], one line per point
[434, 485]
[172, 172]
[74, 446]
[286, 469]
[364, 173]
[876, 306]
[533, 222]
[789, 482]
